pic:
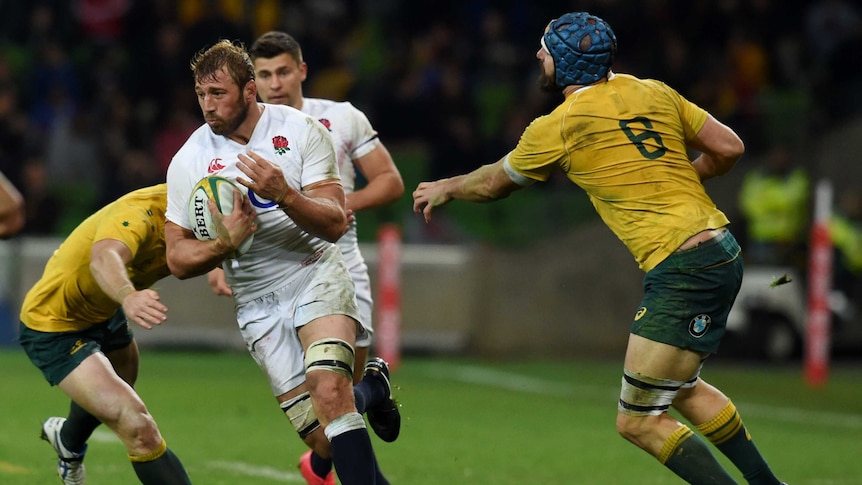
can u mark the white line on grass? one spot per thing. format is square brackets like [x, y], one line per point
[795, 415]
[104, 435]
[250, 470]
[244, 469]
[515, 382]
[531, 385]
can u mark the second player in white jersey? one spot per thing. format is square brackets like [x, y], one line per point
[354, 138]
[280, 72]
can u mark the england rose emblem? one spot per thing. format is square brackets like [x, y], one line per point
[280, 145]
[325, 122]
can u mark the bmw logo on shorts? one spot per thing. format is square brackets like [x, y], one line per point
[699, 325]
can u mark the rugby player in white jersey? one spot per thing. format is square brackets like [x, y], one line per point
[279, 74]
[295, 302]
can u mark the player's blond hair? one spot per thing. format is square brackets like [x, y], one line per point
[224, 54]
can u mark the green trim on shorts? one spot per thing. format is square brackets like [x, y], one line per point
[57, 354]
[688, 296]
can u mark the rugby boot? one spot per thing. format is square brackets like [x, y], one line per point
[385, 418]
[70, 465]
[308, 474]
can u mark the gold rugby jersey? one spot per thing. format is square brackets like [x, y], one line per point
[624, 143]
[67, 297]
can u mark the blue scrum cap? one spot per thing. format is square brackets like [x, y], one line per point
[583, 48]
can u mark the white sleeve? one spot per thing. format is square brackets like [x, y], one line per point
[363, 137]
[318, 159]
[180, 184]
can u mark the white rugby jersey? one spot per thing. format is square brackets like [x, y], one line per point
[297, 143]
[354, 137]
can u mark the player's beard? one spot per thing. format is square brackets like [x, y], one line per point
[548, 83]
[228, 126]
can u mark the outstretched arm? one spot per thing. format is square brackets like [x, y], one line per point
[485, 184]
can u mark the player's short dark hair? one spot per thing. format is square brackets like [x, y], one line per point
[275, 43]
[227, 54]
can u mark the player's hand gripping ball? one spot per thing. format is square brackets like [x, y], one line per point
[220, 190]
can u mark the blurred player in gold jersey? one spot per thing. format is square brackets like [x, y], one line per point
[75, 329]
[624, 141]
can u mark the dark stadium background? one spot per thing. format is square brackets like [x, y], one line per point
[514, 314]
[95, 96]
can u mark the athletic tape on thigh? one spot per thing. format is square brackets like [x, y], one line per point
[301, 414]
[693, 381]
[644, 396]
[332, 354]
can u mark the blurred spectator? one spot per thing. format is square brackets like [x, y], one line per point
[163, 51]
[749, 77]
[453, 127]
[75, 169]
[137, 170]
[774, 202]
[833, 33]
[828, 23]
[43, 207]
[44, 20]
[437, 76]
[102, 20]
[172, 134]
[13, 132]
[52, 86]
[208, 21]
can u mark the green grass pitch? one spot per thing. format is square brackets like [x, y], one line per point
[464, 422]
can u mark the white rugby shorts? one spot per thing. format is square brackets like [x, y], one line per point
[269, 324]
[362, 282]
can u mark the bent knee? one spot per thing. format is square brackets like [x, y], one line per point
[640, 430]
[331, 394]
[630, 427]
[139, 431]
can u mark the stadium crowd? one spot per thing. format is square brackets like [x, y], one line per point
[95, 94]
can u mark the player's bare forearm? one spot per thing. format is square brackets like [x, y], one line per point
[485, 184]
[706, 167]
[720, 146]
[385, 184]
[187, 257]
[108, 259]
[383, 190]
[319, 211]
[218, 282]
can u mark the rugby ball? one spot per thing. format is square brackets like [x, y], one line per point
[220, 190]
